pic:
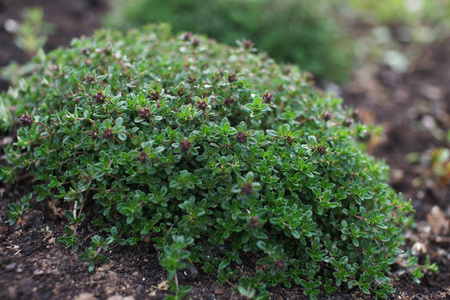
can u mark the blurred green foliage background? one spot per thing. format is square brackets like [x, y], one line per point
[313, 34]
[291, 31]
[411, 12]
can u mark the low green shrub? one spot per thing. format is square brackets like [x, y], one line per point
[294, 31]
[212, 153]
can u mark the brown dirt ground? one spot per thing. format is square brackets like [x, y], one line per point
[33, 265]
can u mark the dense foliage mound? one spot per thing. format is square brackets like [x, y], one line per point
[304, 32]
[212, 153]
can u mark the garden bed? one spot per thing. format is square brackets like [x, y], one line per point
[33, 265]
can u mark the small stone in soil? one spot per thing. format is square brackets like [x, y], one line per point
[85, 296]
[38, 272]
[11, 266]
[188, 274]
[11, 293]
[19, 268]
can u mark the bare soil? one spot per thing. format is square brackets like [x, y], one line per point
[410, 106]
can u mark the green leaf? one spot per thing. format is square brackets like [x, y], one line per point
[312, 139]
[261, 245]
[69, 230]
[223, 265]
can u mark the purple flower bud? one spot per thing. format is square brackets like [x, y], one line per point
[241, 137]
[229, 101]
[181, 91]
[253, 222]
[202, 105]
[247, 44]
[99, 97]
[247, 188]
[347, 122]
[185, 146]
[321, 150]
[287, 69]
[268, 97]
[187, 36]
[107, 51]
[231, 78]
[207, 93]
[93, 134]
[25, 120]
[142, 156]
[192, 79]
[279, 264]
[108, 134]
[326, 116]
[145, 113]
[155, 96]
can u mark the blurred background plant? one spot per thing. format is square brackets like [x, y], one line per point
[32, 32]
[392, 40]
[440, 165]
[431, 15]
[307, 33]
[30, 35]
[316, 35]
[398, 28]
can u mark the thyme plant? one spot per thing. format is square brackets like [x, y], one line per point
[212, 153]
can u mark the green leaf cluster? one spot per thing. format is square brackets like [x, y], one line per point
[212, 153]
